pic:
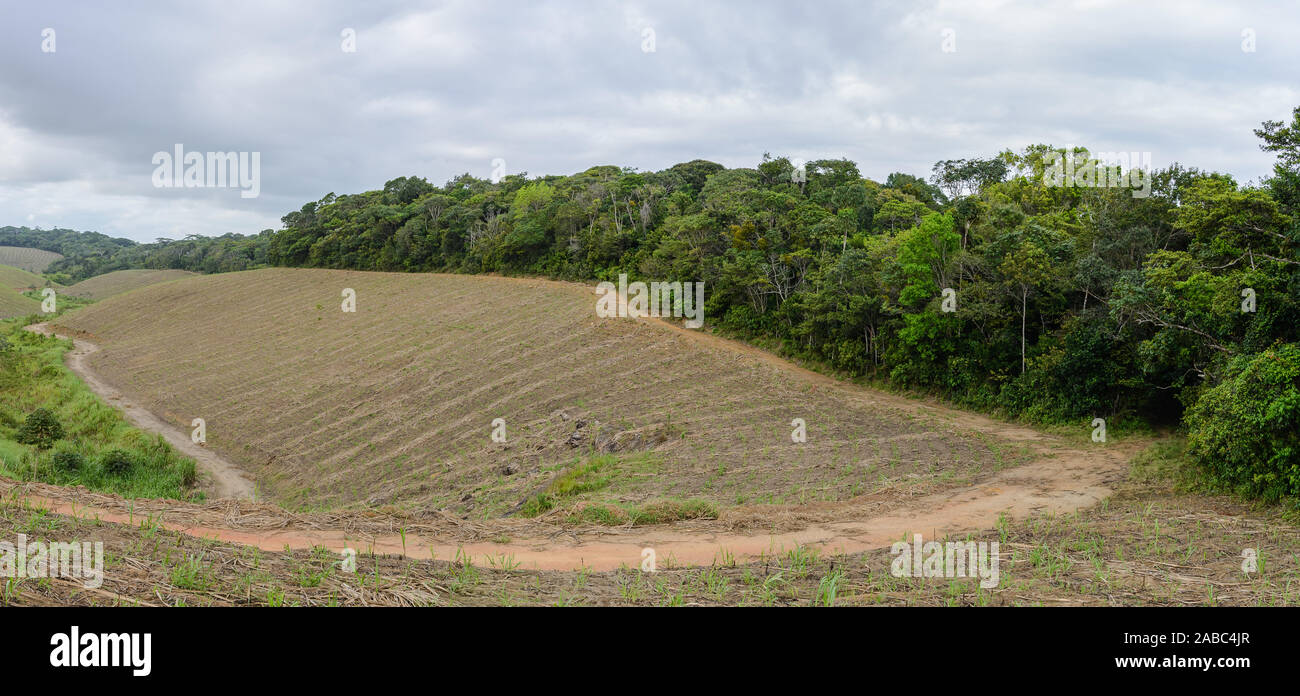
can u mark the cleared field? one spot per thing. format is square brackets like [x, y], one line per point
[15, 304]
[34, 260]
[110, 284]
[394, 404]
[18, 279]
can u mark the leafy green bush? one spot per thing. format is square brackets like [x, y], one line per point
[1245, 432]
[41, 429]
[117, 462]
[68, 461]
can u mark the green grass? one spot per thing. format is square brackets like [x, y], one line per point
[658, 512]
[592, 475]
[62, 303]
[1165, 461]
[1168, 462]
[598, 473]
[32, 375]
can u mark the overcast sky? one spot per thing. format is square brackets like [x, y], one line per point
[441, 88]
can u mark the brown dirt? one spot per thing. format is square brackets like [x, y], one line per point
[117, 282]
[1147, 546]
[1048, 486]
[392, 405]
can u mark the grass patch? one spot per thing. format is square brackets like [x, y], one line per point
[63, 303]
[1165, 462]
[658, 512]
[592, 475]
[598, 473]
[96, 447]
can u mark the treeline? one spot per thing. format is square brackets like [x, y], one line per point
[62, 241]
[90, 254]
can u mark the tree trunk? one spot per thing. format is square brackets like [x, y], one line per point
[1024, 311]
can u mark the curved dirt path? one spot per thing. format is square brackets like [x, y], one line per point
[227, 480]
[1054, 485]
[1064, 476]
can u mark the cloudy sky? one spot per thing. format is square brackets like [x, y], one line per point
[440, 88]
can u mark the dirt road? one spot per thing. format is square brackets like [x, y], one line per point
[225, 480]
[1047, 486]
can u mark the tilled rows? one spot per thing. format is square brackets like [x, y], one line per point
[393, 404]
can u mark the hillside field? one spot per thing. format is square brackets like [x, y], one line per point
[15, 304]
[16, 278]
[109, 284]
[394, 404]
[28, 259]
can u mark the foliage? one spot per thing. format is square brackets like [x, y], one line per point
[68, 461]
[116, 462]
[1245, 432]
[41, 429]
[88, 254]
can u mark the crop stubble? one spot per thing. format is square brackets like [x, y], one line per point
[392, 404]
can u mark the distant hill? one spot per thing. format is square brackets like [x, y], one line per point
[19, 279]
[110, 284]
[89, 254]
[27, 258]
[13, 304]
[63, 241]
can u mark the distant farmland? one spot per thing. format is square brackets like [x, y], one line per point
[394, 404]
[109, 284]
[13, 304]
[34, 260]
[15, 278]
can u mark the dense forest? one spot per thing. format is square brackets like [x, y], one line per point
[1071, 301]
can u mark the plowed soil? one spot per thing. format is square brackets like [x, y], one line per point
[393, 404]
[235, 360]
[117, 282]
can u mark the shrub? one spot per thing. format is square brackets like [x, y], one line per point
[68, 461]
[117, 462]
[41, 429]
[1245, 432]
